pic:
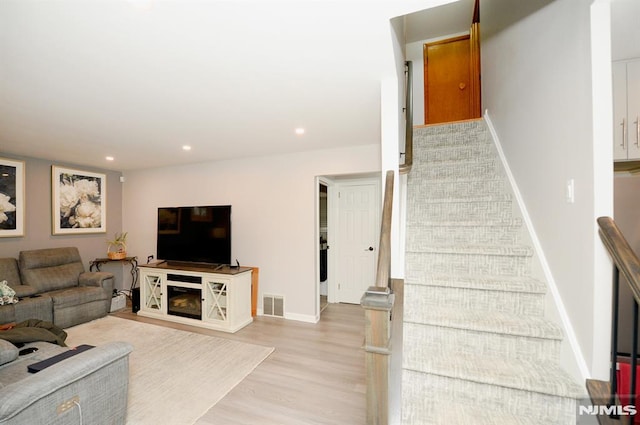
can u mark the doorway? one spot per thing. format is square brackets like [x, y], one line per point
[347, 233]
[323, 231]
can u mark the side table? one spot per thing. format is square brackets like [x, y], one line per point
[133, 261]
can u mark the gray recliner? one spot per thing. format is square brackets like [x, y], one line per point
[53, 286]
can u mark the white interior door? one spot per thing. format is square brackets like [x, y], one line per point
[358, 229]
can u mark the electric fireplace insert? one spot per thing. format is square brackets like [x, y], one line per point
[185, 302]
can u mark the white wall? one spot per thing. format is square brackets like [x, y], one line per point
[537, 87]
[625, 31]
[273, 212]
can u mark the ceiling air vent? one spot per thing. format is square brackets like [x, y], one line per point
[273, 305]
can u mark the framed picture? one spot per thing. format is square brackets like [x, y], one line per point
[11, 198]
[79, 201]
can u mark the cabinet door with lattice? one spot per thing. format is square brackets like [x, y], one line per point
[216, 299]
[152, 289]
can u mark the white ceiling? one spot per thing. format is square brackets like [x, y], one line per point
[83, 79]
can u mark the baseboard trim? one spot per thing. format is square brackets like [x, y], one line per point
[293, 316]
[302, 317]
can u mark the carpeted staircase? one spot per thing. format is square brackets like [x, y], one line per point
[477, 348]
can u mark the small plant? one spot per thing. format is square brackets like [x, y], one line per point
[119, 242]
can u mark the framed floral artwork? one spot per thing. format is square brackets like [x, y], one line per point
[79, 201]
[11, 198]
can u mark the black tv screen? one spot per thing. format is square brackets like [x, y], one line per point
[195, 234]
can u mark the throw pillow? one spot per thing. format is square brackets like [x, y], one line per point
[7, 295]
[8, 352]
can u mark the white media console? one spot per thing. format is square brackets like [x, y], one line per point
[216, 298]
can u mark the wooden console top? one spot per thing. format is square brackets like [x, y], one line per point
[200, 268]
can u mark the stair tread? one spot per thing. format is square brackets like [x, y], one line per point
[505, 250]
[501, 197]
[452, 413]
[427, 165]
[417, 226]
[487, 283]
[484, 143]
[486, 321]
[526, 375]
[424, 180]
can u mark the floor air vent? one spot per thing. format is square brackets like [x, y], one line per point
[273, 305]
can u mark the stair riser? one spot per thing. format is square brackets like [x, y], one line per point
[463, 153]
[453, 171]
[428, 140]
[418, 407]
[458, 211]
[417, 239]
[424, 340]
[456, 189]
[524, 303]
[449, 137]
[422, 264]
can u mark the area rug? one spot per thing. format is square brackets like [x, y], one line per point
[174, 376]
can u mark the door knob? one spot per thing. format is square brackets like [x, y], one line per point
[369, 249]
[462, 86]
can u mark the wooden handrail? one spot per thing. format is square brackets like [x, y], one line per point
[378, 302]
[626, 262]
[621, 253]
[383, 272]
[408, 116]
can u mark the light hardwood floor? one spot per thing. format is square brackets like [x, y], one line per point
[316, 374]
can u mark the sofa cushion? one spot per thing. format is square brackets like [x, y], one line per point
[9, 271]
[50, 269]
[17, 370]
[39, 307]
[8, 352]
[76, 296]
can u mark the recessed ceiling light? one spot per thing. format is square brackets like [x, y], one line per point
[109, 158]
[300, 131]
[186, 148]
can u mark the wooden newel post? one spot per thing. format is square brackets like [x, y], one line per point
[378, 303]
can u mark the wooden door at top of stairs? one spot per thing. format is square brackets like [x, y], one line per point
[451, 80]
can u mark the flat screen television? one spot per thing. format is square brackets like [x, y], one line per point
[195, 234]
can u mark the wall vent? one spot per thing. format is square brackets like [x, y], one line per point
[273, 305]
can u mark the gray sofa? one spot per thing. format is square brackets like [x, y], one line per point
[88, 388]
[52, 285]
